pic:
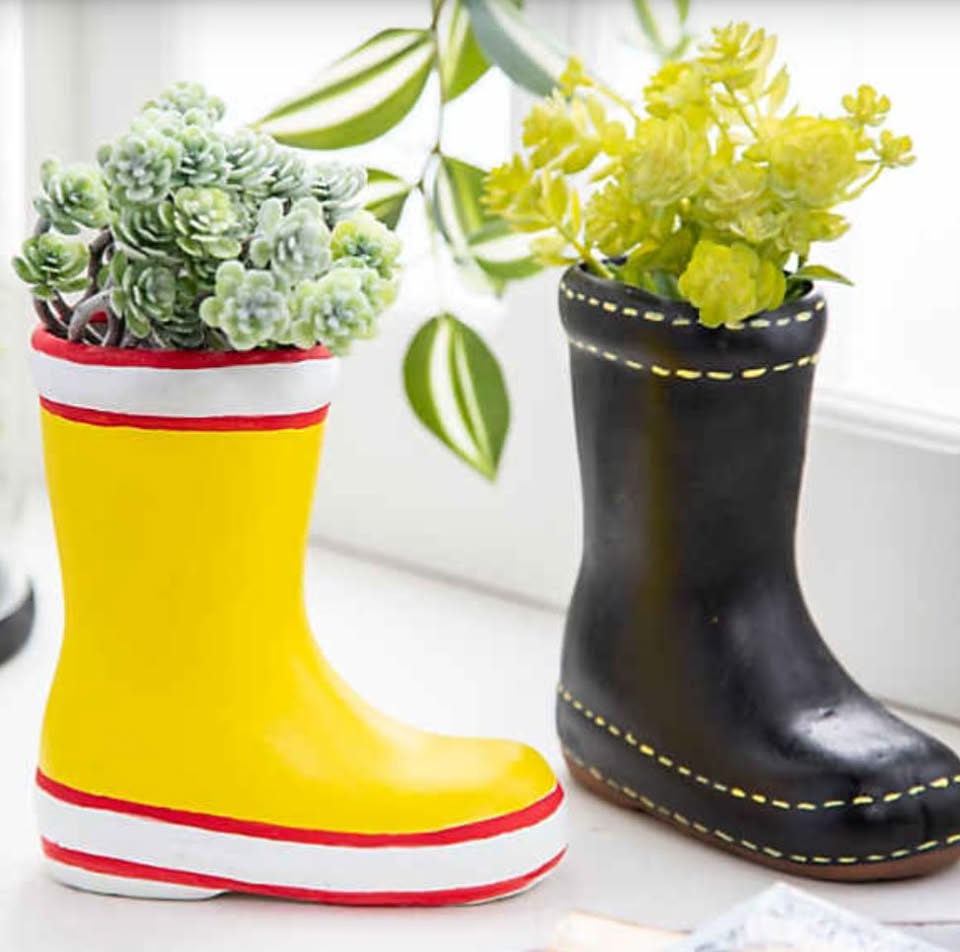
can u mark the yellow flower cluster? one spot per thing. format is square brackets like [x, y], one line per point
[711, 192]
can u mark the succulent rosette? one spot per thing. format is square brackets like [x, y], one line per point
[144, 293]
[294, 245]
[207, 222]
[336, 309]
[73, 197]
[205, 238]
[248, 306]
[140, 166]
[51, 265]
[362, 239]
[185, 98]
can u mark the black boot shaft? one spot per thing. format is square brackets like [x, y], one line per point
[692, 440]
[694, 681]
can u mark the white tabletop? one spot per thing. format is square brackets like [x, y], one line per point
[444, 657]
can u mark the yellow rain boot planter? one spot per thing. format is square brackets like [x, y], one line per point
[195, 740]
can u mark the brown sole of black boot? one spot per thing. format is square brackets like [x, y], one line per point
[810, 867]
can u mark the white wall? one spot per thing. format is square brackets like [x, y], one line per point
[15, 458]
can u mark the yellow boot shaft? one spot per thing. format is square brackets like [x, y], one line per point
[188, 676]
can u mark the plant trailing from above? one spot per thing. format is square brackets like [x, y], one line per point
[453, 382]
[711, 194]
[206, 238]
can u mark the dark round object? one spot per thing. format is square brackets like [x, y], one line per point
[16, 610]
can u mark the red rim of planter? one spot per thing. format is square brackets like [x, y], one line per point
[45, 342]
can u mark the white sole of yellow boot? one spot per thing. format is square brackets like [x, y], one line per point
[105, 845]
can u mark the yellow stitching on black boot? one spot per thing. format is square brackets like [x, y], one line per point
[612, 307]
[737, 792]
[770, 851]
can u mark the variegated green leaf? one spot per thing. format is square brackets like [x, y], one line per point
[478, 240]
[462, 61]
[456, 389]
[385, 196]
[501, 253]
[521, 50]
[359, 97]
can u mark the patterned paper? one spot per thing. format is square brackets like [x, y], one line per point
[784, 919]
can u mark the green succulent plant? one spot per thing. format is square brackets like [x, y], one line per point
[144, 293]
[146, 230]
[336, 186]
[250, 158]
[186, 97]
[290, 176]
[712, 194]
[73, 197]
[250, 307]
[139, 167]
[336, 309]
[203, 238]
[207, 222]
[204, 158]
[51, 265]
[294, 245]
[364, 239]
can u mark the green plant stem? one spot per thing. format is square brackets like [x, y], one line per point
[616, 98]
[741, 110]
[589, 259]
[865, 184]
[436, 148]
[648, 23]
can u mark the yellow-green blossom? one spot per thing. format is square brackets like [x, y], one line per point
[728, 284]
[812, 161]
[665, 162]
[719, 180]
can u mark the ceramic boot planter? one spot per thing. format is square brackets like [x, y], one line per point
[16, 610]
[195, 740]
[695, 685]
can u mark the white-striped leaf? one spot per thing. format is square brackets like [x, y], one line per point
[461, 60]
[477, 239]
[456, 389]
[359, 97]
[522, 51]
[501, 253]
[385, 196]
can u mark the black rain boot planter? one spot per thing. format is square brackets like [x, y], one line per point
[16, 610]
[695, 685]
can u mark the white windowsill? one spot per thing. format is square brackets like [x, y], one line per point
[446, 657]
[877, 419]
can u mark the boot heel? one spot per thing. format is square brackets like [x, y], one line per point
[83, 879]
